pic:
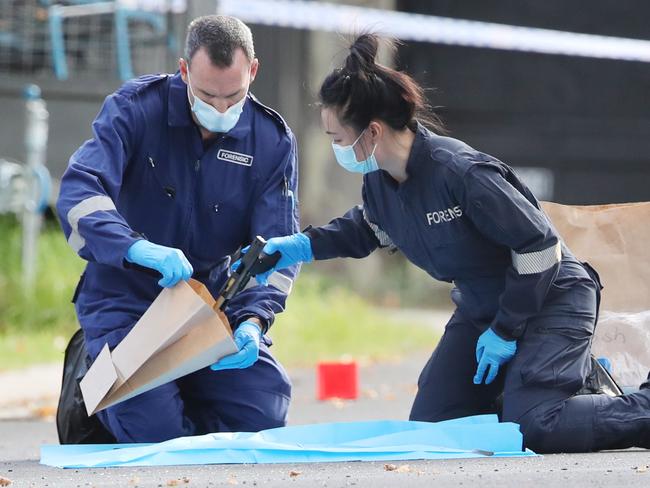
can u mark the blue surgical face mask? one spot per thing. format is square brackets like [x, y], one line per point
[348, 160]
[210, 118]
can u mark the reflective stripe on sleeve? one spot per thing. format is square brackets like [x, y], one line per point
[281, 282]
[537, 261]
[82, 209]
[383, 238]
[277, 280]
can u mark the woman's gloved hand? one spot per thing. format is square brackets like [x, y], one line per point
[247, 338]
[492, 351]
[171, 263]
[294, 249]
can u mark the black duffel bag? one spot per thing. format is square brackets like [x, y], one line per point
[72, 422]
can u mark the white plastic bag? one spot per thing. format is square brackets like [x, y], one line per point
[624, 339]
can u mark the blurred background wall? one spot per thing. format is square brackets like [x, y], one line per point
[575, 128]
[585, 120]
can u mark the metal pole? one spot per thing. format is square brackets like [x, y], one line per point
[36, 178]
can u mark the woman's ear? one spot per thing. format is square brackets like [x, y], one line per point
[376, 130]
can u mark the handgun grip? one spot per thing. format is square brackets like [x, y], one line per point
[265, 262]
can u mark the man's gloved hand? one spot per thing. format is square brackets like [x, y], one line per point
[492, 351]
[295, 248]
[169, 262]
[247, 338]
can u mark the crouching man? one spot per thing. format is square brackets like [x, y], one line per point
[181, 171]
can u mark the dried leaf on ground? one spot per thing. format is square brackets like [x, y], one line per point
[177, 481]
[45, 411]
[338, 403]
[370, 393]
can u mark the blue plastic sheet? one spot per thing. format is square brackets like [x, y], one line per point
[469, 437]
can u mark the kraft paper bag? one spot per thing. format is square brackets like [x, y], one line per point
[182, 331]
[615, 239]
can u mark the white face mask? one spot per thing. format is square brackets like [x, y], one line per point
[348, 160]
[209, 117]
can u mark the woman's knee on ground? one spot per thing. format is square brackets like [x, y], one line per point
[565, 426]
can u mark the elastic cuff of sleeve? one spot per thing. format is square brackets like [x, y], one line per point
[505, 333]
[123, 247]
[312, 234]
[307, 254]
[265, 324]
[252, 323]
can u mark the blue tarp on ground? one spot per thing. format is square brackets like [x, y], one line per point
[387, 440]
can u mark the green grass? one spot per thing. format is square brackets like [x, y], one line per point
[323, 320]
[48, 307]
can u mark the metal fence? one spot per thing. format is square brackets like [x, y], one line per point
[88, 38]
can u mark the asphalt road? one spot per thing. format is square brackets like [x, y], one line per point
[21, 439]
[386, 393]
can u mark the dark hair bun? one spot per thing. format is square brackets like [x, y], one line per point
[363, 51]
[363, 90]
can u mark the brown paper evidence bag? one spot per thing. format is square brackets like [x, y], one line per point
[181, 332]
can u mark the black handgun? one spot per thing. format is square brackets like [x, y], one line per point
[253, 262]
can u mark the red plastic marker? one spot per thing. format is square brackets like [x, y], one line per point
[337, 380]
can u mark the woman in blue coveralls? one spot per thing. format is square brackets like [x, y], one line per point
[523, 300]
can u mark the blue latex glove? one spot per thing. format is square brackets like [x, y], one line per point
[169, 262]
[295, 248]
[247, 338]
[492, 351]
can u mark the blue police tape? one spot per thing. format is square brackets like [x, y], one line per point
[469, 437]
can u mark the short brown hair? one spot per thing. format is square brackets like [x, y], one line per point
[220, 36]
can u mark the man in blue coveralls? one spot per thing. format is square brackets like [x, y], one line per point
[182, 170]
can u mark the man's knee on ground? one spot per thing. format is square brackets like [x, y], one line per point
[261, 411]
[273, 413]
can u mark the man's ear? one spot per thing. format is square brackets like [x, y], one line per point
[182, 67]
[255, 65]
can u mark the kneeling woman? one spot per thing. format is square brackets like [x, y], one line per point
[523, 300]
